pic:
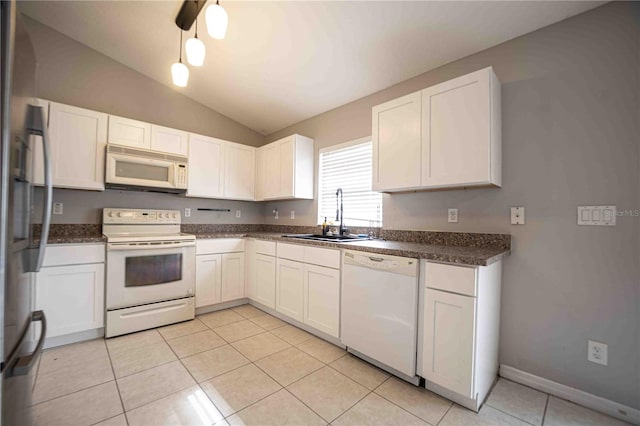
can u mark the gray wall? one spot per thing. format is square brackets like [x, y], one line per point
[570, 137]
[86, 206]
[72, 73]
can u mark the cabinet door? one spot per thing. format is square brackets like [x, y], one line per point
[396, 143]
[322, 299]
[128, 132]
[448, 345]
[240, 168]
[260, 174]
[266, 280]
[272, 170]
[78, 139]
[456, 131]
[72, 298]
[289, 288]
[232, 276]
[165, 139]
[250, 268]
[208, 279]
[287, 167]
[206, 167]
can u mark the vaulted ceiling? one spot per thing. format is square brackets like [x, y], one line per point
[286, 61]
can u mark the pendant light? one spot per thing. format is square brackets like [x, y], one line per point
[195, 50]
[179, 71]
[217, 20]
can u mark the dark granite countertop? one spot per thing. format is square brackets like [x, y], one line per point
[475, 249]
[475, 256]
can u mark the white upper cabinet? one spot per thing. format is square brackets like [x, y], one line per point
[445, 136]
[78, 137]
[261, 173]
[165, 139]
[461, 132]
[396, 144]
[128, 132]
[239, 171]
[285, 169]
[206, 167]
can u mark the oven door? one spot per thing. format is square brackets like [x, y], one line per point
[139, 273]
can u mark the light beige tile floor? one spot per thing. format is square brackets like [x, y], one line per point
[242, 366]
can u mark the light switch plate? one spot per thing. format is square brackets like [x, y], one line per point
[452, 215]
[517, 215]
[57, 208]
[597, 215]
[238, 214]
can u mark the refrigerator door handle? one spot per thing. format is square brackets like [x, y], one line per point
[22, 365]
[37, 127]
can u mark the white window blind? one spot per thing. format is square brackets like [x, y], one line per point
[349, 167]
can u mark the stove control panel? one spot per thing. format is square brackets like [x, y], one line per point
[140, 216]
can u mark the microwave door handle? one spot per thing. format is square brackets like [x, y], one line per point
[37, 127]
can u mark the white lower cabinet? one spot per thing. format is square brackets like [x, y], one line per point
[265, 284]
[208, 279]
[219, 271]
[321, 298]
[448, 336]
[289, 288]
[232, 276]
[308, 286]
[70, 289]
[460, 328]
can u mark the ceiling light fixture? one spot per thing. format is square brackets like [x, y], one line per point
[195, 49]
[179, 71]
[217, 21]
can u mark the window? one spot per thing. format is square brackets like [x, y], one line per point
[349, 166]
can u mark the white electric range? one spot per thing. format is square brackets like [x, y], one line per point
[150, 270]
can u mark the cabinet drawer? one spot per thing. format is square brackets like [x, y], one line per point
[291, 252]
[455, 279]
[323, 257]
[266, 247]
[222, 245]
[73, 254]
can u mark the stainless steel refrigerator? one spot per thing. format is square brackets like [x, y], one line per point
[23, 127]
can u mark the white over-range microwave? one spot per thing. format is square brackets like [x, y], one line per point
[131, 168]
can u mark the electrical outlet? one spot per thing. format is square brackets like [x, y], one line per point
[597, 352]
[453, 215]
[292, 215]
[275, 214]
[238, 214]
[187, 212]
[517, 215]
[57, 208]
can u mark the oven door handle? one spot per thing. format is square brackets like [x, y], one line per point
[148, 246]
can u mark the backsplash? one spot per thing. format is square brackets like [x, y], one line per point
[438, 238]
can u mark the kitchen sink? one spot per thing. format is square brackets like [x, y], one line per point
[327, 238]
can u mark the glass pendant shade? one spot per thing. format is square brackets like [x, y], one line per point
[217, 21]
[180, 74]
[195, 51]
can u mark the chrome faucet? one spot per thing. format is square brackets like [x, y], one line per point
[340, 212]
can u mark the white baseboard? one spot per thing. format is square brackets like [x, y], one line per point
[585, 399]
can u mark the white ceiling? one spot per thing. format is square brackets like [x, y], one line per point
[286, 61]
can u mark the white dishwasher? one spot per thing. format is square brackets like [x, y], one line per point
[379, 309]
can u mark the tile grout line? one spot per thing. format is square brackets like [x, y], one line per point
[404, 409]
[191, 375]
[113, 371]
[546, 406]
[509, 414]
[445, 414]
